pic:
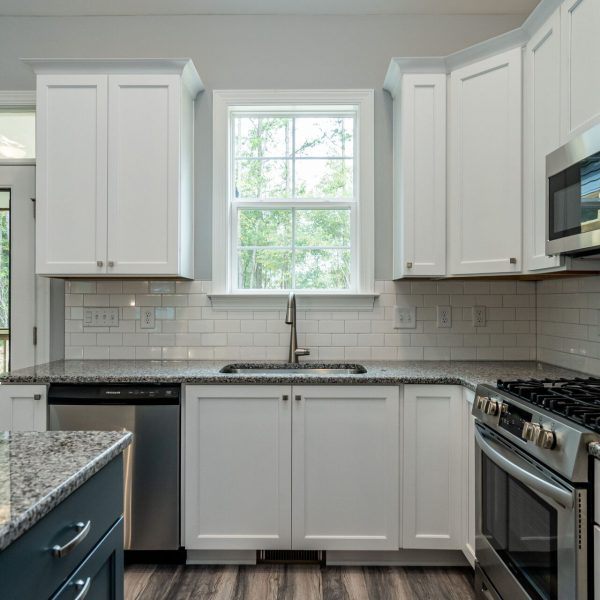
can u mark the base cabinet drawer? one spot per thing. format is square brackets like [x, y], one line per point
[100, 577]
[30, 568]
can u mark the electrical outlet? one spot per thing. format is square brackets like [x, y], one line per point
[479, 316]
[405, 317]
[444, 316]
[147, 318]
[100, 317]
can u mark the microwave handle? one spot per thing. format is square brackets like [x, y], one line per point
[505, 460]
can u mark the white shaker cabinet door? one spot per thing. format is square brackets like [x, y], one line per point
[541, 136]
[71, 162]
[237, 471]
[345, 467]
[468, 467]
[580, 83]
[143, 174]
[484, 209]
[432, 467]
[23, 407]
[420, 176]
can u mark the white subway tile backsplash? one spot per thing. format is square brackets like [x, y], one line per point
[188, 328]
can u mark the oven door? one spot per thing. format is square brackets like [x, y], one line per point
[531, 539]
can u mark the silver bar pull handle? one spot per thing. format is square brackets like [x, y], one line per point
[83, 587]
[285, 397]
[82, 530]
[510, 463]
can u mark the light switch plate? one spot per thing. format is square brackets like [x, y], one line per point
[405, 317]
[100, 317]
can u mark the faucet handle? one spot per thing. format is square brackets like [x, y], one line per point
[302, 352]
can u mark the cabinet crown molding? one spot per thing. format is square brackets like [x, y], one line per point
[445, 64]
[178, 66]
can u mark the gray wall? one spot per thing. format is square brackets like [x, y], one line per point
[257, 52]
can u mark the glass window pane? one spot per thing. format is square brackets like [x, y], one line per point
[263, 179]
[17, 134]
[323, 269]
[264, 227]
[325, 136]
[264, 269]
[262, 137]
[331, 178]
[320, 227]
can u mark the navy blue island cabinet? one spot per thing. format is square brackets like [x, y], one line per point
[76, 550]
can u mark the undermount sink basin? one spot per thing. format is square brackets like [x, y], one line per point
[295, 369]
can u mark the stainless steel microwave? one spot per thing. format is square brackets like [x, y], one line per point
[573, 196]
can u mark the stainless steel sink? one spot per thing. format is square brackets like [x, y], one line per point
[295, 369]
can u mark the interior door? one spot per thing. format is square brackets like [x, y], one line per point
[29, 294]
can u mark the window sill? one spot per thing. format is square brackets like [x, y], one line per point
[307, 301]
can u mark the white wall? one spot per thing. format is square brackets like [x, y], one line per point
[257, 52]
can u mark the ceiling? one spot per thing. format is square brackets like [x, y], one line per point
[272, 7]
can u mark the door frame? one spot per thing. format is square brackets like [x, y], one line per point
[40, 303]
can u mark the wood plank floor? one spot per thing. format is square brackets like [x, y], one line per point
[296, 582]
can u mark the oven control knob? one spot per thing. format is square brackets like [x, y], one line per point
[527, 433]
[481, 402]
[546, 439]
[491, 407]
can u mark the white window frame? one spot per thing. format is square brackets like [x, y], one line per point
[225, 295]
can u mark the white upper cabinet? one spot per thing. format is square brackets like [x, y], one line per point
[541, 136]
[420, 175]
[580, 84]
[115, 167]
[71, 180]
[484, 203]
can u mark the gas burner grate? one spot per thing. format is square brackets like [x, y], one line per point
[576, 399]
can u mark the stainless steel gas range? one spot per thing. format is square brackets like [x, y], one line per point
[533, 488]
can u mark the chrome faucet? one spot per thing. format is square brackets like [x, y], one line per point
[290, 319]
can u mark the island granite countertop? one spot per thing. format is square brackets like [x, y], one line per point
[38, 470]
[467, 373]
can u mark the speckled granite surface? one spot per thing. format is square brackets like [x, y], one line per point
[38, 470]
[468, 373]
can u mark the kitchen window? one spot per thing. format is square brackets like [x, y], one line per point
[293, 192]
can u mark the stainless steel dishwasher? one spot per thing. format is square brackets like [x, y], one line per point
[151, 464]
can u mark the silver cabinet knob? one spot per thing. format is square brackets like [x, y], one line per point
[111, 263]
[512, 261]
[100, 263]
[409, 265]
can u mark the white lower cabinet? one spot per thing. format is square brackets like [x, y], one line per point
[270, 467]
[345, 470]
[432, 492]
[23, 407]
[468, 485]
[237, 457]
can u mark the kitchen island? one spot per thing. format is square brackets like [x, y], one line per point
[61, 505]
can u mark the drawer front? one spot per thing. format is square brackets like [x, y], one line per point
[29, 568]
[100, 577]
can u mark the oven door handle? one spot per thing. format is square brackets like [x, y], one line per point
[505, 460]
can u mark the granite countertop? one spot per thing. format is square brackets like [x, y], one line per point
[38, 470]
[467, 373]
